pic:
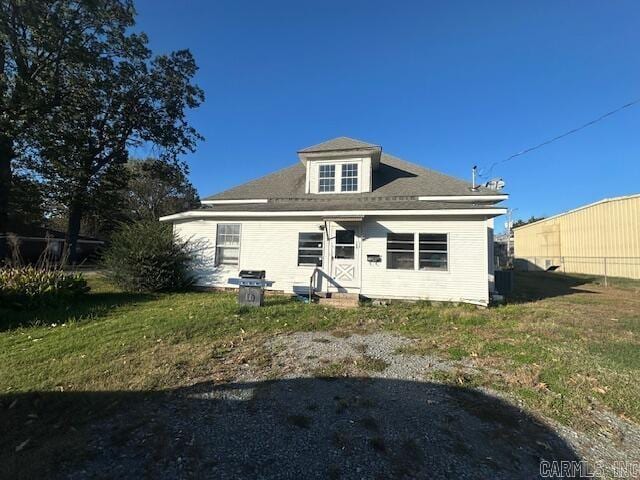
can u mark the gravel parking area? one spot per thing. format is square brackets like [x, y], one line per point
[340, 408]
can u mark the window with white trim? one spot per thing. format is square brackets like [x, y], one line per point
[228, 244]
[310, 248]
[349, 180]
[327, 178]
[400, 251]
[434, 249]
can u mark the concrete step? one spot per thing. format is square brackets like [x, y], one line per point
[344, 295]
[349, 302]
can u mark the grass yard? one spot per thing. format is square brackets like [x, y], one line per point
[564, 347]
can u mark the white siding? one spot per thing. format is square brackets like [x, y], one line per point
[272, 245]
[366, 175]
[312, 178]
[491, 255]
[465, 280]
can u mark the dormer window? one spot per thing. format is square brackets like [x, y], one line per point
[327, 176]
[340, 166]
[349, 177]
[338, 177]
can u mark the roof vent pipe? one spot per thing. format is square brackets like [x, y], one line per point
[473, 178]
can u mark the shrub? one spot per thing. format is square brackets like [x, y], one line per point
[147, 257]
[31, 286]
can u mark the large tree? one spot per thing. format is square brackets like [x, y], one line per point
[156, 188]
[40, 42]
[26, 203]
[122, 98]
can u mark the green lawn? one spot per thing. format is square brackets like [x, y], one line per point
[564, 346]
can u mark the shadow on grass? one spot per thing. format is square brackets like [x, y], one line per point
[296, 428]
[529, 286]
[80, 308]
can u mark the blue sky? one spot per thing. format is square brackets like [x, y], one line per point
[443, 84]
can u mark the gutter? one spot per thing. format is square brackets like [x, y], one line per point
[491, 212]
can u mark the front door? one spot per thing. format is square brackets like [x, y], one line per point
[345, 254]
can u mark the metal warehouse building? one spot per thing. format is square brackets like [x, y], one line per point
[601, 238]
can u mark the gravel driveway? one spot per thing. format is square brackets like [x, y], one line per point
[387, 423]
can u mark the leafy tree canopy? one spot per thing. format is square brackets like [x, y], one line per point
[109, 94]
[520, 222]
[157, 188]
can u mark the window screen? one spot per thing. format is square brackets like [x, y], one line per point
[400, 251]
[310, 248]
[228, 244]
[345, 244]
[433, 251]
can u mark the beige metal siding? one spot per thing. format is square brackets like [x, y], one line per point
[584, 237]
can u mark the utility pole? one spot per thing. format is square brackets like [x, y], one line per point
[509, 233]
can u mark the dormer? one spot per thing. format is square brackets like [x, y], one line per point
[340, 166]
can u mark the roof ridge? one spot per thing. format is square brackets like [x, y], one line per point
[339, 143]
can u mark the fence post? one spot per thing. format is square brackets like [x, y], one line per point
[605, 272]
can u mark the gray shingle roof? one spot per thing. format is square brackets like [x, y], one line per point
[396, 185]
[339, 143]
[393, 177]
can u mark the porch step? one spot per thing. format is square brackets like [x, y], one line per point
[344, 295]
[340, 300]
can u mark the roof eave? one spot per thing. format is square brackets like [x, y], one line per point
[373, 152]
[193, 214]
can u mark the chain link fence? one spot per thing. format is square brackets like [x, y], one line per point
[606, 267]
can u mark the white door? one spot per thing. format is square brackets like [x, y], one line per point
[345, 255]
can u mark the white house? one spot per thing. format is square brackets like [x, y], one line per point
[349, 218]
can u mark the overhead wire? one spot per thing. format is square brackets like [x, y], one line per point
[558, 137]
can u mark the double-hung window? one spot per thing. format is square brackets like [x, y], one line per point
[310, 248]
[228, 244]
[433, 251]
[400, 251]
[327, 178]
[349, 181]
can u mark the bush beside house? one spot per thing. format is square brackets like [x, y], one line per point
[146, 256]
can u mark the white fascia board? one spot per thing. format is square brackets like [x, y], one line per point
[464, 198]
[491, 212]
[228, 202]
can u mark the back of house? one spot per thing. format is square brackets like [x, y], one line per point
[348, 217]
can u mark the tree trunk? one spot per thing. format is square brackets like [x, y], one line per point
[6, 155]
[73, 229]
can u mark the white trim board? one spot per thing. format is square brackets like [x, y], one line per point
[464, 198]
[491, 212]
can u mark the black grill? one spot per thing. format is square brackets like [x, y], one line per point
[255, 274]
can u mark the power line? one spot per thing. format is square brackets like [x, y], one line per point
[551, 140]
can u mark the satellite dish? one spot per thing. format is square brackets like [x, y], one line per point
[496, 184]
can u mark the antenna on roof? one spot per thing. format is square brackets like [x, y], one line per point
[495, 184]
